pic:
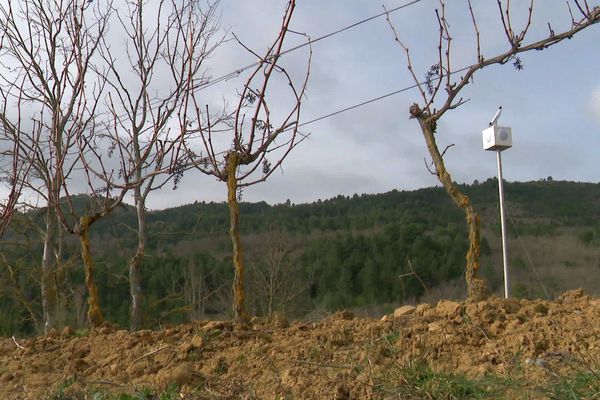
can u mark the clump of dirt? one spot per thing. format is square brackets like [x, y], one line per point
[341, 357]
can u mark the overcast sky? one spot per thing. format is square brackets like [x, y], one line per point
[553, 105]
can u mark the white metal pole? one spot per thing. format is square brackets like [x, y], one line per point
[503, 226]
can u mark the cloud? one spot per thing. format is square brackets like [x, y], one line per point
[593, 104]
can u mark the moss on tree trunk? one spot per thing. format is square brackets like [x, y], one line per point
[476, 287]
[94, 313]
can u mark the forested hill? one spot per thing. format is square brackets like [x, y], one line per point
[565, 203]
[362, 252]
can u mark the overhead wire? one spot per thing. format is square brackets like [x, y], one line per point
[343, 110]
[364, 103]
[326, 36]
[354, 106]
[375, 99]
[310, 42]
[237, 72]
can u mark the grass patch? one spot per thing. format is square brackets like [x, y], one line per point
[392, 337]
[419, 381]
[61, 391]
[144, 394]
[81, 333]
[171, 393]
[582, 385]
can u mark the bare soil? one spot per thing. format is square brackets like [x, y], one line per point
[340, 357]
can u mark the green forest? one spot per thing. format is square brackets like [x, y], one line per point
[368, 253]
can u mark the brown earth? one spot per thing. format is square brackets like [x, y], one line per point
[340, 357]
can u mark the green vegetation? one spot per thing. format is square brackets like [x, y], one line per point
[585, 384]
[144, 394]
[414, 381]
[60, 393]
[362, 251]
[419, 381]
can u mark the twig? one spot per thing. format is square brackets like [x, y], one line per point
[315, 364]
[428, 166]
[417, 275]
[105, 383]
[484, 334]
[17, 344]
[150, 353]
[479, 56]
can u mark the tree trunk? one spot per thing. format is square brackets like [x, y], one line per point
[234, 232]
[135, 264]
[94, 313]
[135, 289]
[48, 287]
[476, 287]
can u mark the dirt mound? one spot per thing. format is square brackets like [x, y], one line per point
[340, 357]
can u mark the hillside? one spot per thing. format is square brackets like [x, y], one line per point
[368, 253]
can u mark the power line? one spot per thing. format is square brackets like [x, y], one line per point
[239, 71]
[373, 100]
[364, 103]
[352, 107]
[357, 105]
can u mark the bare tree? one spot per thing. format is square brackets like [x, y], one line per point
[197, 290]
[12, 274]
[166, 44]
[194, 291]
[443, 83]
[63, 61]
[254, 133]
[277, 281]
[12, 174]
[47, 47]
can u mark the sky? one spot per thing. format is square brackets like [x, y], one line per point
[552, 105]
